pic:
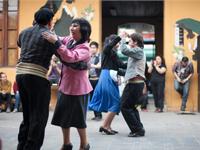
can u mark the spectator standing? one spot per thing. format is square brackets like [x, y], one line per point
[157, 69]
[94, 72]
[54, 71]
[145, 91]
[183, 72]
[5, 92]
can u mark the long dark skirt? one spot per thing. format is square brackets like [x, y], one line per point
[70, 111]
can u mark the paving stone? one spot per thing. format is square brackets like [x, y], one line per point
[164, 131]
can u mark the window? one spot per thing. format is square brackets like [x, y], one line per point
[8, 32]
[148, 33]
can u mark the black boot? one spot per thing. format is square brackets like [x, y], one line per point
[86, 147]
[67, 147]
[183, 106]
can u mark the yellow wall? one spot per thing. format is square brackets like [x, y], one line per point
[175, 10]
[96, 21]
[27, 8]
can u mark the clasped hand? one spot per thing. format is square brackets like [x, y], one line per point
[51, 37]
[182, 81]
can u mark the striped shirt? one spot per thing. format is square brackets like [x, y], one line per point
[34, 48]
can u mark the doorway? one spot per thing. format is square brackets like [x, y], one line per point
[119, 13]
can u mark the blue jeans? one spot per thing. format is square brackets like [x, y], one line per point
[183, 90]
[17, 100]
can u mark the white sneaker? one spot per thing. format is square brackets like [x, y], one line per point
[15, 110]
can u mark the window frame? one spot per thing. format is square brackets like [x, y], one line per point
[5, 31]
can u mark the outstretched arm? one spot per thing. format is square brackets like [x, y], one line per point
[110, 44]
[135, 52]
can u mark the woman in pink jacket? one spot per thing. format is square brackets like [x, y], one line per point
[74, 84]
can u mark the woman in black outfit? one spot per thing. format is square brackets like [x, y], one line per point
[158, 69]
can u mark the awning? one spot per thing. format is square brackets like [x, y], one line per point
[189, 24]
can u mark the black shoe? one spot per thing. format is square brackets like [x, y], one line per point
[98, 118]
[94, 118]
[182, 108]
[114, 131]
[86, 147]
[67, 147]
[108, 132]
[160, 110]
[137, 134]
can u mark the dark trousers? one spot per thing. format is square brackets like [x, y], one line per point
[131, 95]
[94, 83]
[144, 100]
[35, 97]
[158, 93]
[145, 96]
[5, 98]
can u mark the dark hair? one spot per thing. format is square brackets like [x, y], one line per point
[43, 16]
[162, 59]
[34, 23]
[110, 38]
[137, 38]
[85, 29]
[1, 74]
[95, 44]
[185, 59]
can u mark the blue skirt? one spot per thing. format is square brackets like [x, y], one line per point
[106, 94]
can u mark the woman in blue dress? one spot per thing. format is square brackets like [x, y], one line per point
[106, 94]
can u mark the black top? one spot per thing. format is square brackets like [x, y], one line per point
[183, 72]
[156, 76]
[34, 48]
[110, 59]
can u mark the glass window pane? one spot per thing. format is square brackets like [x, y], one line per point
[12, 38]
[148, 33]
[12, 5]
[1, 40]
[149, 50]
[12, 57]
[1, 20]
[1, 57]
[12, 20]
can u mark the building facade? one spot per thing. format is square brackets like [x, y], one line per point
[16, 15]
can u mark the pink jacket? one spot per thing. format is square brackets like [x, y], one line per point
[74, 82]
